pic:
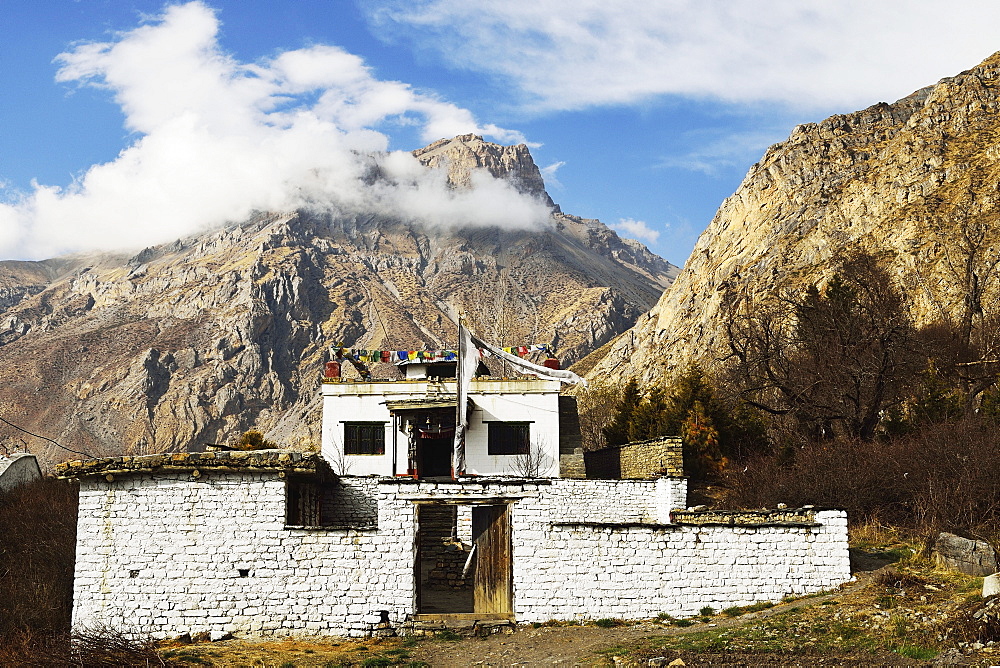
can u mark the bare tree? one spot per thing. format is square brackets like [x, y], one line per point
[833, 360]
[534, 463]
[595, 405]
[965, 343]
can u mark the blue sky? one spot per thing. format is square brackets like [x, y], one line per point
[127, 123]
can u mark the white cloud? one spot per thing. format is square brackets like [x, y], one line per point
[217, 138]
[549, 174]
[571, 54]
[636, 229]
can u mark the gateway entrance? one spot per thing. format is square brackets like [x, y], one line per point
[464, 561]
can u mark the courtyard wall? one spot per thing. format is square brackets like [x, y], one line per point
[169, 552]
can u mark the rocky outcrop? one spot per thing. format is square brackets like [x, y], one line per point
[193, 342]
[972, 557]
[465, 154]
[913, 183]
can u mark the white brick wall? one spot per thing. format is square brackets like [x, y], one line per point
[186, 541]
[579, 571]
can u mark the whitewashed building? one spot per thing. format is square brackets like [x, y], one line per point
[18, 469]
[407, 427]
[374, 532]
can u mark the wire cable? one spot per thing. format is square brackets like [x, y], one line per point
[45, 438]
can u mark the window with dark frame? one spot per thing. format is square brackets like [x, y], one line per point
[364, 438]
[509, 438]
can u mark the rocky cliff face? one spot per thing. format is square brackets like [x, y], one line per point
[195, 341]
[465, 153]
[914, 183]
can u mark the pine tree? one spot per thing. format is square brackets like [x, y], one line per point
[618, 432]
[702, 455]
[650, 417]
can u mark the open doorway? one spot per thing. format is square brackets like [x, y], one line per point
[434, 457]
[429, 426]
[464, 564]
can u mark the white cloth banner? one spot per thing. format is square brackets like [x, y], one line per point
[527, 367]
[468, 362]
[469, 355]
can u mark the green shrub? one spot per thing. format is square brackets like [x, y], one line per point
[378, 662]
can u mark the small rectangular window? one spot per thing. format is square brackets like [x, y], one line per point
[303, 503]
[364, 438]
[509, 438]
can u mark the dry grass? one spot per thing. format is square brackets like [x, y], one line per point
[301, 653]
[38, 526]
[939, 479]
[37, 551]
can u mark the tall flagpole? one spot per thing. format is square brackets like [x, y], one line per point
[458, 446]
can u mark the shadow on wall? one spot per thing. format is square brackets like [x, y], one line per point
[351, 503]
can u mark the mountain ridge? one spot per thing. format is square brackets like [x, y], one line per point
[901, 181]
[194, 341]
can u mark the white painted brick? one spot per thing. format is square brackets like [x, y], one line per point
[187, 536]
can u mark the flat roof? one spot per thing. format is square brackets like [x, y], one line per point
[288, 461]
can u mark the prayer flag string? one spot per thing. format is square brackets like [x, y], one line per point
[397, 356]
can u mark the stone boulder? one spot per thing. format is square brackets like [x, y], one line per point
[972, 557]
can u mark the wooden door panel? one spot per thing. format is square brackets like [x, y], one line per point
[492, 582]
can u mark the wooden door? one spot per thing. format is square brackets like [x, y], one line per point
[492, 581]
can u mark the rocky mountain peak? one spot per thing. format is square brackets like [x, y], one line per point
[464, 154]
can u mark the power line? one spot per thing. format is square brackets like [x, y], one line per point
[45, 438]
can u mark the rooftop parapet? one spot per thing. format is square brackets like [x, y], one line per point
[478, 379]
[286, 461]
[805, 516]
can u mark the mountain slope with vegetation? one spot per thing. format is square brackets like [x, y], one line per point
[834, 339]
[912, 184]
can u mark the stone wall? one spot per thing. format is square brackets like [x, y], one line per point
[592, 571]
[573, 464]
[351, 502]
[173, 554]
[169, 553]
[616, 500]
[805, 516]
[443, 555]
[641, 459]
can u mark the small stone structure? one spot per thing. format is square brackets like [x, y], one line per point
[18, 469]
[640, 459]
[271, 542]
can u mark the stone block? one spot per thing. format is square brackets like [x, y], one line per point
[972, 557]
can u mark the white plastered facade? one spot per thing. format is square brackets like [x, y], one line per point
[170, 553]
[492, 400]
